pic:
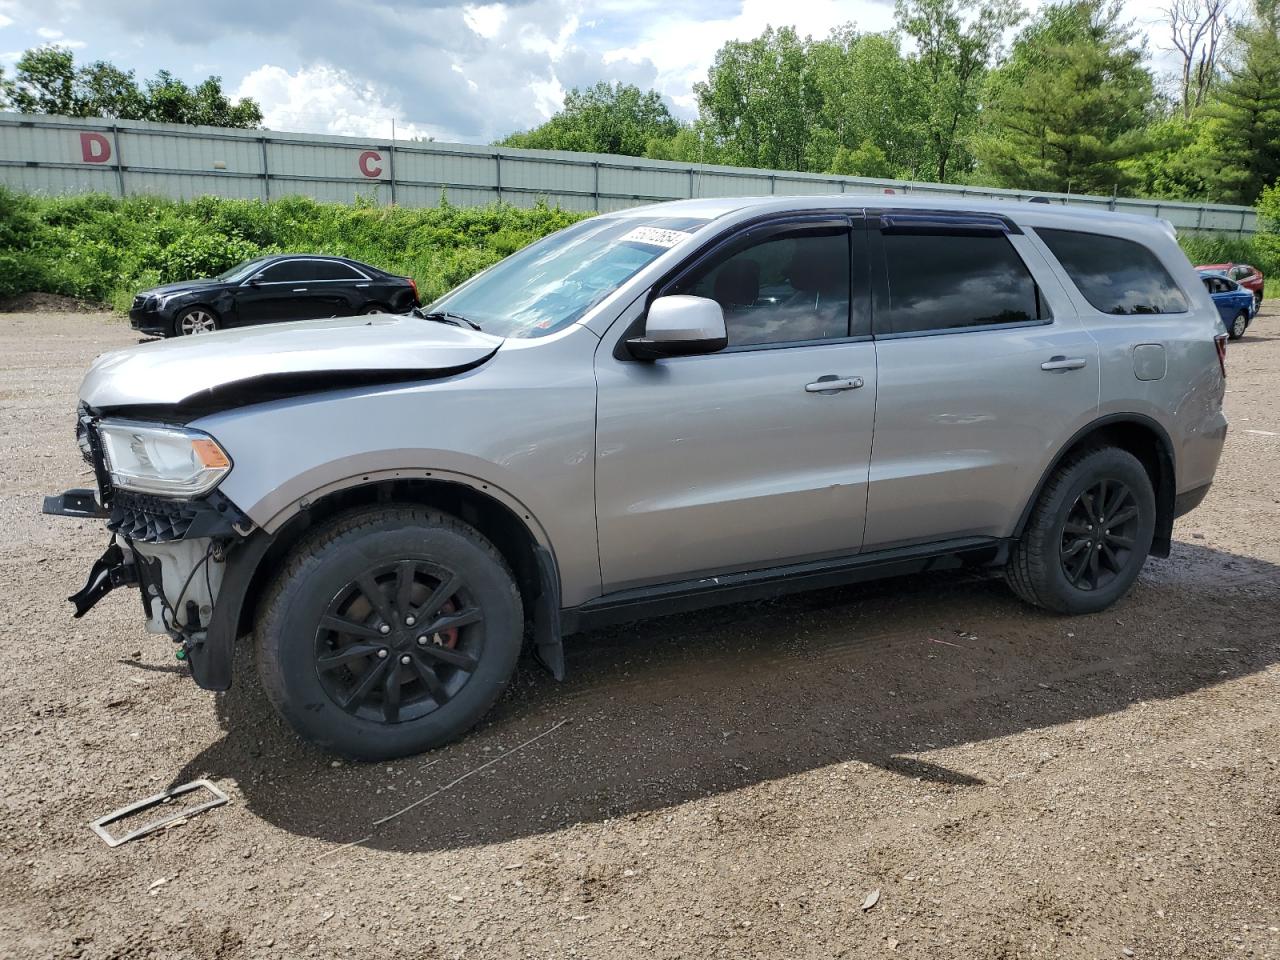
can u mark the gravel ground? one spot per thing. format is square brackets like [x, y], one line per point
[734, 783]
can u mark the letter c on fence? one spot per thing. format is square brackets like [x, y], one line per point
[94, 148]
[367, 161]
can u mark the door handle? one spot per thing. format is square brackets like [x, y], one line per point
[1063, 363]
[299, 289]
[832, 384]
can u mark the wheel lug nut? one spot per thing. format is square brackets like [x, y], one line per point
[382, 654]
[384, 629]
[422, 641]
[405, 659]
[409, 621]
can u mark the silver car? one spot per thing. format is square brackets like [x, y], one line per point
[664, 408]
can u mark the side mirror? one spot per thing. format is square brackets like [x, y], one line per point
[680, 326]
[256, 279]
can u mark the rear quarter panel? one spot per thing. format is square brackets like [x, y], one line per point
[1187, 401]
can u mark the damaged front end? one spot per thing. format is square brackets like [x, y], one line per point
[173, 535]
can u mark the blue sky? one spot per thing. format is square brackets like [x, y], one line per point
[455, 71]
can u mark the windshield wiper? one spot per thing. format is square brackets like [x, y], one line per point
[453, 319]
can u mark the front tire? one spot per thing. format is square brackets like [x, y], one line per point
[194, 321]
[1088, 536]
[388, 632]
[1239, 325]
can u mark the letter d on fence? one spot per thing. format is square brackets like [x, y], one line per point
[94, 148]
[367, 161]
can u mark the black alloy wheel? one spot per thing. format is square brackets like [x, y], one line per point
[388, 630]
[1099, 536]
[399, 641]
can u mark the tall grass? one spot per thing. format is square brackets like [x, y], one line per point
[105, 249]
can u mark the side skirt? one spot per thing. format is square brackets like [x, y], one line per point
[686, 595]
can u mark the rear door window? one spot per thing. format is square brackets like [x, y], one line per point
[333, 270]
[1116, 276]
[953, 281]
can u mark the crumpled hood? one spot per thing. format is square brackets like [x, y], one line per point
[253, 364]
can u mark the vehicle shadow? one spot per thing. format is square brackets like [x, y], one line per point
[683, 707]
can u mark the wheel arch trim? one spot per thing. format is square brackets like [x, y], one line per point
[1166, 488]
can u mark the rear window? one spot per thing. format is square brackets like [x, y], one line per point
[1116, 276]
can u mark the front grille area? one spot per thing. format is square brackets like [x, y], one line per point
[140, 516]
[152, 519]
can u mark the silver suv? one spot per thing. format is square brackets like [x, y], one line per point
[664, 408]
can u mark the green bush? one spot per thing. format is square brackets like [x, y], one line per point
[104, 248]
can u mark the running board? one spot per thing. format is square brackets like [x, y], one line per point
[642, 602]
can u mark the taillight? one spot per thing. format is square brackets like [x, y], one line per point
[1220, 342]
[414, 284]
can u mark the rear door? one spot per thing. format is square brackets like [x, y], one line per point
[338, 289]
[984, 370]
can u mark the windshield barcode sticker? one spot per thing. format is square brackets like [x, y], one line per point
[655, 236]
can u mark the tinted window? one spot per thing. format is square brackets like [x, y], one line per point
[333, 270]
[790, 286]
[1115, 275]
[289, 271]
[1241, 272]
[949, 281]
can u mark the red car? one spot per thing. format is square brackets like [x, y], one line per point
[1250, 278]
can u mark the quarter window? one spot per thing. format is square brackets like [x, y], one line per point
[791, 286]
[951, 281]
[1115, 275]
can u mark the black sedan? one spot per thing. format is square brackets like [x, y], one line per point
[271, 289]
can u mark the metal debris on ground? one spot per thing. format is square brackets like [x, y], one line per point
[100, 825]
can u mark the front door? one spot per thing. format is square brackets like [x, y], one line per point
[285, 290]
[740, 460]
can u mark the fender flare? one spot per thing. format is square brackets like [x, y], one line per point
[1166, 492]
[211, 660]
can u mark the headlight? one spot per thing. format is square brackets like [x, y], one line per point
[169, 461]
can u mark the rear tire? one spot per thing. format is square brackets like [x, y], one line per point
[372, 308]
[1088, 536]
[389, 631]
[1239, 325]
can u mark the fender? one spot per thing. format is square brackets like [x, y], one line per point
[1165, 491]
[211, 660]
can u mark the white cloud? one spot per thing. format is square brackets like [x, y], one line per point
[48, 33]
[485, 19]
[5, 21]
[326, 100]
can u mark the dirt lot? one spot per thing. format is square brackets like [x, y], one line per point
[730, 784]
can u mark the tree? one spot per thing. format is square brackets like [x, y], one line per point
[1245, 112]
[956, 42]
[603, 118]
[47, 81]
[759, 101]
[860, 130]
[1072, 103]
[170, 100]
[1196, 27]
[44, 82]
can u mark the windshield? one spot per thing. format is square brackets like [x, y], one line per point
[551, 283]
[243, 270]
